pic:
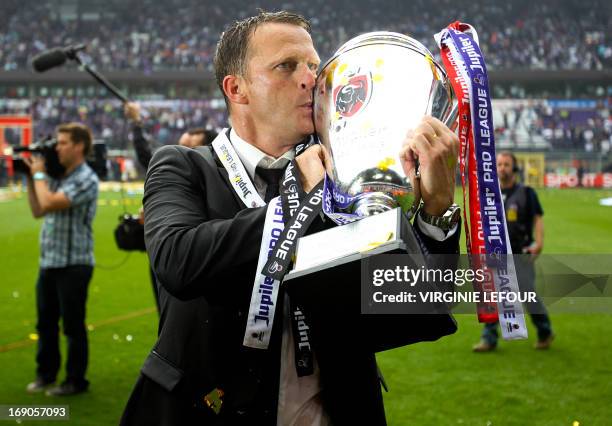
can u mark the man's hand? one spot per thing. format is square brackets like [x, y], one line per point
[436, 147]
[533, 250]
[538, 229]
[311, 166]
[36, 164]
[38, 191]
[132, 111]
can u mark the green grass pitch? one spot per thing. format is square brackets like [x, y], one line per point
[440, 383]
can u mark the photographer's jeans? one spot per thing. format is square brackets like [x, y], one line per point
[62, 292]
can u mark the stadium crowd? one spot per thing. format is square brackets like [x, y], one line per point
[181, 34]
[554, 124]
[519, 123]
[164, 120]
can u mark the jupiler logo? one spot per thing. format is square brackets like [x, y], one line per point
[479, 79]
[275, 267]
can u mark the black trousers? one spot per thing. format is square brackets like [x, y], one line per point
[62, 292]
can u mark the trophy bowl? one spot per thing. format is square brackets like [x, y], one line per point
[375, 88]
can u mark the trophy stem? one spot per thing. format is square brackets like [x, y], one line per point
[372, 203]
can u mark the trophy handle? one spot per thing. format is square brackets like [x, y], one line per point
[451, 120]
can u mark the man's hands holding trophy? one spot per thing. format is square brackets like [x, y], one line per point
[432, 148]
[312, 166]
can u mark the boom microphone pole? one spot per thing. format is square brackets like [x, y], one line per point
[58, 56]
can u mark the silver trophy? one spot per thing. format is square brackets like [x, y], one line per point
[374, 89]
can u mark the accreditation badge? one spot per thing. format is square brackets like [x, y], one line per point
[512, 213]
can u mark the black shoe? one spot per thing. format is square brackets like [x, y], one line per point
[67, 389]
[38, 385]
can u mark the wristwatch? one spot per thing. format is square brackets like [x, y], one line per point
[39, 176]
[445, 222]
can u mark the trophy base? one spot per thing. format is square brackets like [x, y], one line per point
[370, 204]
[381, 233]
[326, 283]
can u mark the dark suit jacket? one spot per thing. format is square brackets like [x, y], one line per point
[203, 245]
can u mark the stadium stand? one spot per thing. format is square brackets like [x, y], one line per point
[582, 125]
[550, 62]
[181, 34]
[165, 120]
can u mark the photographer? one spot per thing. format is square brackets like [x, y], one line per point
[524, 216]
[68, 205]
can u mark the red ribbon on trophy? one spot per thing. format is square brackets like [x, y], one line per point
[486, 231]
[487, 311]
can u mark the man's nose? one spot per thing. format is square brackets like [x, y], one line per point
[307, 78]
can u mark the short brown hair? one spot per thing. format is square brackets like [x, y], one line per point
[196, 131]
[208, 135]
[510, 154]
[79, 133]
[233, 46]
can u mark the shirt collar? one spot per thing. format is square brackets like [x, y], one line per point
[252, 156]
[73, 172]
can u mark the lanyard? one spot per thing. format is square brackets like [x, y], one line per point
[286, 208]
[239, 178]
[487, 235]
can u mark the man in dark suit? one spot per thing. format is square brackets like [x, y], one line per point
[204, 243]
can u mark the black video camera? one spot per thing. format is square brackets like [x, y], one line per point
[46, 148]
[129, 234]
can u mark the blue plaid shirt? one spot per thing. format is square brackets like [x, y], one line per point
[66, 236]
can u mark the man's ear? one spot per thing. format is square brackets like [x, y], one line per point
[234, 88]
[82, 150]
